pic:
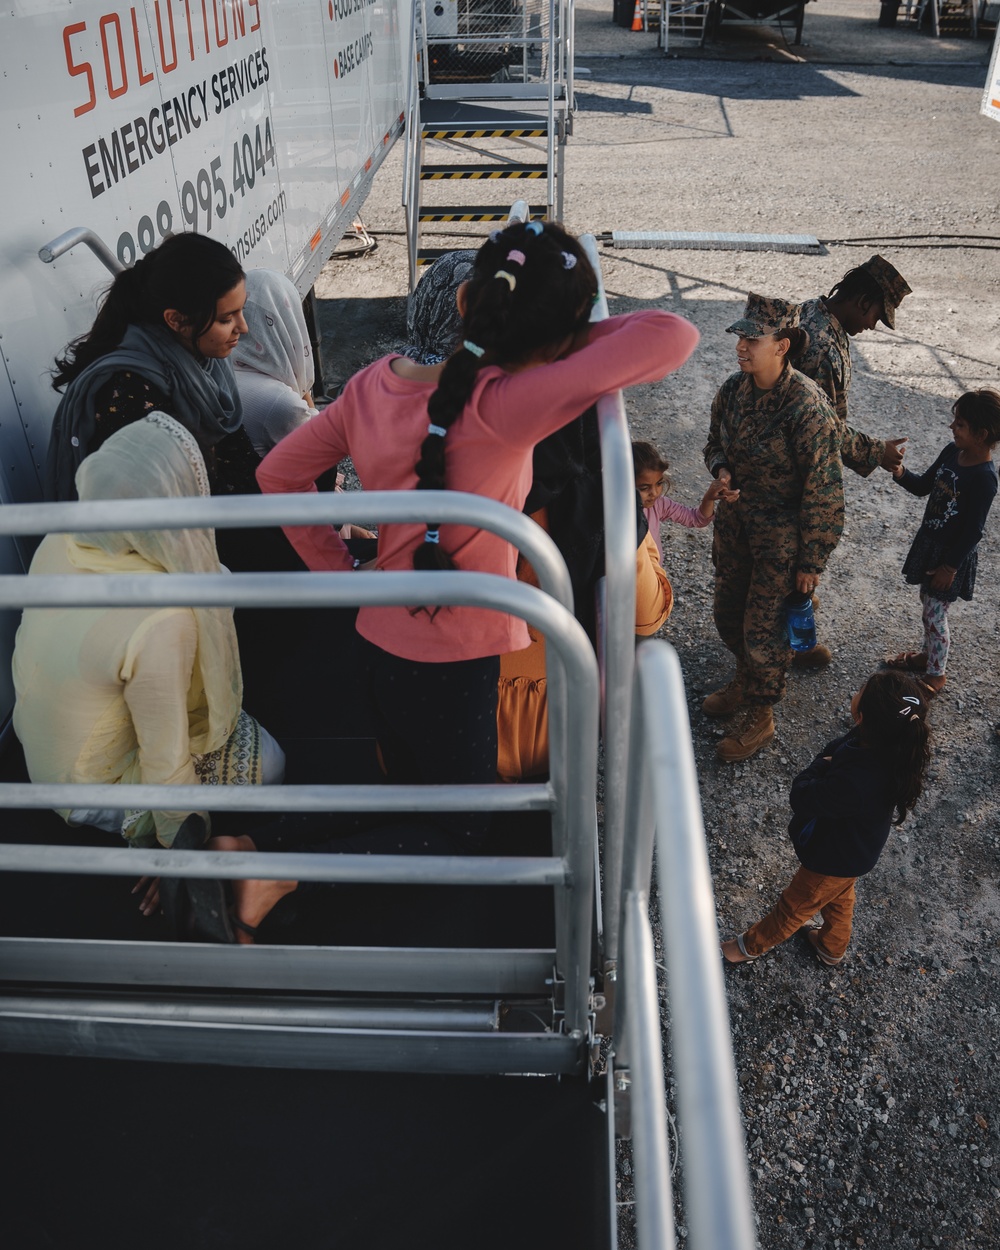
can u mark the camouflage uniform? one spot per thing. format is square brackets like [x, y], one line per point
[827, 360]
[783, 450]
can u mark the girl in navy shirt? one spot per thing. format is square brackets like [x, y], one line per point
[844, 806]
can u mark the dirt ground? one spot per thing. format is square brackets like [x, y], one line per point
[869, 1091]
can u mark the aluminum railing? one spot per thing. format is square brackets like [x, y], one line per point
[618, 632]
[663, 803]
[569, 795]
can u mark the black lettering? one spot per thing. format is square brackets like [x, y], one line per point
[113, 161]
[156, 131]
[128, 146]
[231, 75]
[195, 117]
[215, 91]
[263, 57]
[183, 116]
[142, 139]
[170, 122]
[93, 169]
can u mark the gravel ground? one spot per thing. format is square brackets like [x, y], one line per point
[869, 1091]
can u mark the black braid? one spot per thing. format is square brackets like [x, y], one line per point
[548, 303]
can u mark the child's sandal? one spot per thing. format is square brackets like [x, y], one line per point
[734, 952]
[932, 685]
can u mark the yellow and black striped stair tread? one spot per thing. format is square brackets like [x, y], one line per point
[457, 119]
[474, 212]
[493, 132]
[513, 169]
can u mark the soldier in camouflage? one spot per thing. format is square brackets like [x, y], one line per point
[864, 296]
[775, 437]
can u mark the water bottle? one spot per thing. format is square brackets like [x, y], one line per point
[799, 618]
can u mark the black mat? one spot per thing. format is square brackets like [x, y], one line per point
[105, 1155]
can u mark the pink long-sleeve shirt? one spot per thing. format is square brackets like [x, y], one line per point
[664, 509]
[381, 419]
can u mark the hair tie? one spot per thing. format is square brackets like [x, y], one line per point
[516, 257]
[507, 277]
[534, 227]
[569, 260]
[494, 236]
[432, 536]
[474, 348]
[439, 430]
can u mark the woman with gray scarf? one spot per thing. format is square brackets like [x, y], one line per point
[161, 341]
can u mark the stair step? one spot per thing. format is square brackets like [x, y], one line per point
[431, 130]
[458, 119]
[475, 212]
[516, 169]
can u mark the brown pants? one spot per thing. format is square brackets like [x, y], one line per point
[807, 893]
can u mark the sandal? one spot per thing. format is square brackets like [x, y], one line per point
[907, 661]
[737, 955]
[812, 937]
[929, 690]
[249, 929]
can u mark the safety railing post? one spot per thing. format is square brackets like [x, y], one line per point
[619, 646]
[718, 1209]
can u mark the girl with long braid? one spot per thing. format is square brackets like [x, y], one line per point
[528, 364]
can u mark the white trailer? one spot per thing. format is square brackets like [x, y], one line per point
[260, 122]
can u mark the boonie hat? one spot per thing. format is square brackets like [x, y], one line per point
[763, 316]
[892, 284]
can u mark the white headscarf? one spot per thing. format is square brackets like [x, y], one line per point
[277, 341]
[157, 458]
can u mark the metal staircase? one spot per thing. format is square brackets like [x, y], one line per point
[683, 23]
[490, 100]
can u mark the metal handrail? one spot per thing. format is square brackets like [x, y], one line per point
[663, 791]
[450, 507]
[619, 633]
[574, 822]
[64, 242]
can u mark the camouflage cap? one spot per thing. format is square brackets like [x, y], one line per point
[763, 316]
[892, 284]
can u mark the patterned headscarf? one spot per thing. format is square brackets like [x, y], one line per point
[433, 323]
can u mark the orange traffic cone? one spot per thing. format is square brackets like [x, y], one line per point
[637, 16]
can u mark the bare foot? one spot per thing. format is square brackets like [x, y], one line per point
[733, 955]
[253, 900]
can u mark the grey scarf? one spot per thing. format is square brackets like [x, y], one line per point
[202, 396]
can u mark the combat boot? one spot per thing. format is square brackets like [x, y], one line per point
[728, 699]
[816, 657]
[754, 729]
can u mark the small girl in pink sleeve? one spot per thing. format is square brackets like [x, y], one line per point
[651, 481]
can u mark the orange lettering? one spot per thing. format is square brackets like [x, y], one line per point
[111, 19]
[138, 51]
[84, 68]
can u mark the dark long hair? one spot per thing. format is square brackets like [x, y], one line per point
[647, 457]
[188, 272]
[980, 410]
[894, 726]
[544, 299]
